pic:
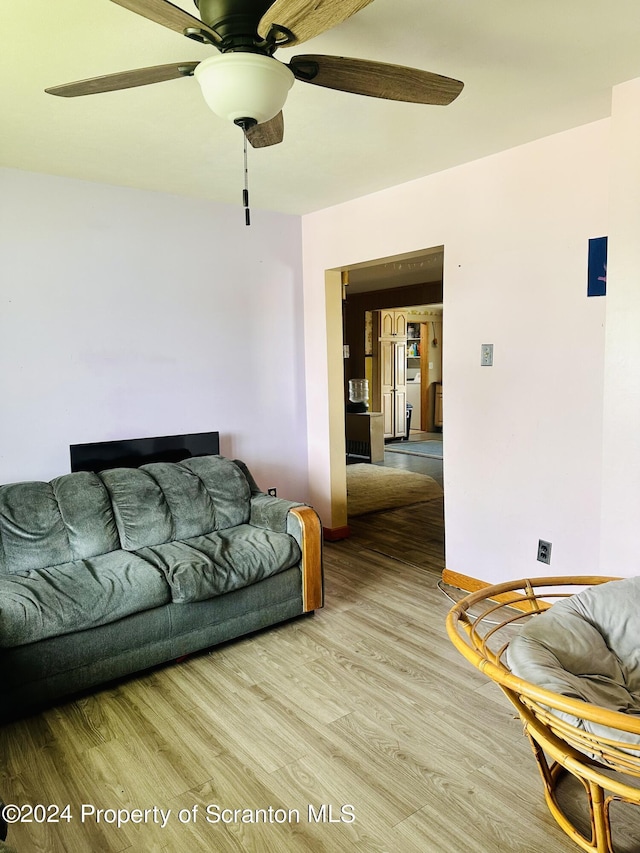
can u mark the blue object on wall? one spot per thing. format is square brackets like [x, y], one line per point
[597, 277]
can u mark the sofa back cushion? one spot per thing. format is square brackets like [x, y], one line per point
[82, 515]
[163, 501]
[139, 507]
[192, 510]
[47, 524]
[226, 486]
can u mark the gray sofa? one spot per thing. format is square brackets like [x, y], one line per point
[103, 575]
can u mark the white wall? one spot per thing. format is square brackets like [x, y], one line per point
[621, 473]
[523, 439]
[127, 313]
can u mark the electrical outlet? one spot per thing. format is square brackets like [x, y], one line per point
[544, 551]
[272, 492]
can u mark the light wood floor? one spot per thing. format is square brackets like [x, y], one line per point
[366, 705]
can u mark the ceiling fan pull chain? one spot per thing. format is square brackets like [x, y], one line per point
[246, 124]
[245, 191]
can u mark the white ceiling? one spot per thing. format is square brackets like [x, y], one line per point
[530, 69]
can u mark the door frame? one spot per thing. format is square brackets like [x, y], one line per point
[334, 279]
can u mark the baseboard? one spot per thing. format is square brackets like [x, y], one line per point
[334, 534]
[468, 584]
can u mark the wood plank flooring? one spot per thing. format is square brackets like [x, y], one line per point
[363, 710]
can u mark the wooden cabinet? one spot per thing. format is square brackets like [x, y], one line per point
[406, 366]
[437, 418]
[393, 324]
[390, 372]
[393, 377]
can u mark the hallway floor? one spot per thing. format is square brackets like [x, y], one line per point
[419, 464]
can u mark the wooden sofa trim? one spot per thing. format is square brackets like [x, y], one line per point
[312, 594]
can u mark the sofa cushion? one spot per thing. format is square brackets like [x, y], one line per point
[46, 524]
[227, 487]
[139, 507]
[211, 565]
[77, 595]
[160, 502]
[192, 510]
[86, 511]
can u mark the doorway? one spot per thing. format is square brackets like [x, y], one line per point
[408, 286]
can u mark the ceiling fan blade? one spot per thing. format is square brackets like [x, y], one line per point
[165, 13]
[305, 19]
[376, 79]
[124, 80]
[268, 133]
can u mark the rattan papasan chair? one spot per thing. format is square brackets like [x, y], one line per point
[569, 660]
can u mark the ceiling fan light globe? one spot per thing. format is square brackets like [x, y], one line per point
[244, 85]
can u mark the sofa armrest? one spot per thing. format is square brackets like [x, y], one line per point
[271, 513]
[301, 522]
[312, 587]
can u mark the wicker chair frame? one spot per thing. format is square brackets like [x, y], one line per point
[608, 768]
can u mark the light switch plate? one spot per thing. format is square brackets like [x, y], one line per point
[486, 355]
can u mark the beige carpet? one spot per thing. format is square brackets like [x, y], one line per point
[371, 488]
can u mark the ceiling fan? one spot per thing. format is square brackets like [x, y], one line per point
[244, 83]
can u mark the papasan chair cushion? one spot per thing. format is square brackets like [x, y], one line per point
[587, 647]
